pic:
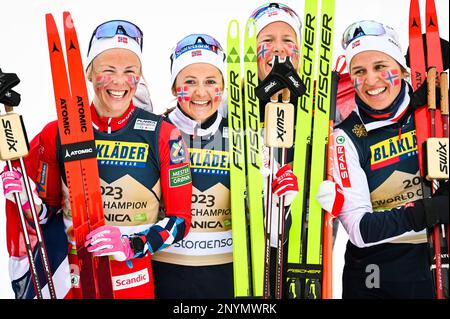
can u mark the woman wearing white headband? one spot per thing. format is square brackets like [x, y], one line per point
[200, 266]
[143, 166]
[377, 195]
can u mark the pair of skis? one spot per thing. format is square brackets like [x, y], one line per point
[79, 151]
[246, 182]
[430, 123]
[309, 268]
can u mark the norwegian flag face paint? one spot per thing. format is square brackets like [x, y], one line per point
[218, 94]
[293, 52]
[392, 77]
[102, 81]
[263, 51]
[357, 82]
[183, 94]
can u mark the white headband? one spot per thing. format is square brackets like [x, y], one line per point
[197, 53]
[274, 14]
[118, 41]
[383, 43]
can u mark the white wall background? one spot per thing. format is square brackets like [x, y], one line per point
[23, 50]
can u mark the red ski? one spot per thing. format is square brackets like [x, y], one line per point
[80, 162]
[428, 122]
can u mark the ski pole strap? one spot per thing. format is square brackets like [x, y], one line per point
[7, 81]
[11, 98]
[7, 95]
[304, 271]
[79, 151]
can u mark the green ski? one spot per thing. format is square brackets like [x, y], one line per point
[253, 159]
[241, 263]
[305, 237]
[302, 150]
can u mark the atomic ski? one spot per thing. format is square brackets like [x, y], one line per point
[428, 122]
[80, 163]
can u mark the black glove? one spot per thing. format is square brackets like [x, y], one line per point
[427, 212]
[442, 190]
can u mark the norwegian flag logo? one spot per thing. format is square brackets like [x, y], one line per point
[183, 94]
[392, 77]
[122, 39]
[196, 53]
[355, 44]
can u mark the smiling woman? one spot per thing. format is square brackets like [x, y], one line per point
[143, 169]
[202, 262]
[376, 170]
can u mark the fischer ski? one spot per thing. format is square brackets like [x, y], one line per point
[305, 260]
[241, 262]
[302, 153]
[80, 162]
[253, 159]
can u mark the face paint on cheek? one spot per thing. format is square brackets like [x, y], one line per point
[262, 51]
[102, 81]
[357, 82]
[133, 80]
[183, 94]
[392, 77]
[218, 94]
[294, 51]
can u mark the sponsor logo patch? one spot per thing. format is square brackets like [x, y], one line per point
[393, 150]
[343, 170]
[119, 153]
[177, 151]
[134, 279]
[145, 125]
[209, 161]
[179, 176]
[42, 179]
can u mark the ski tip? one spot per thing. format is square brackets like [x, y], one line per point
[49, 18]
[67, 20]
[233, 29]
[251, 28]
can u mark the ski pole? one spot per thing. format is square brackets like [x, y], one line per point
[14, 147]
[434, 234]
[268, 216]
[444, 115]
[278, 133]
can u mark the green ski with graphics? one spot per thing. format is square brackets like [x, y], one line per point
[305, 262]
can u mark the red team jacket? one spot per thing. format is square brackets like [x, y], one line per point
[146, 189]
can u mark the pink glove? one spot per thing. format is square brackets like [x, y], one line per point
[330, 197]
[285, 184]
[13, 183]
[109, 241]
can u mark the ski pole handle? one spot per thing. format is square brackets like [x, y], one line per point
[431, 80]
[13, 138]
[444, 94]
